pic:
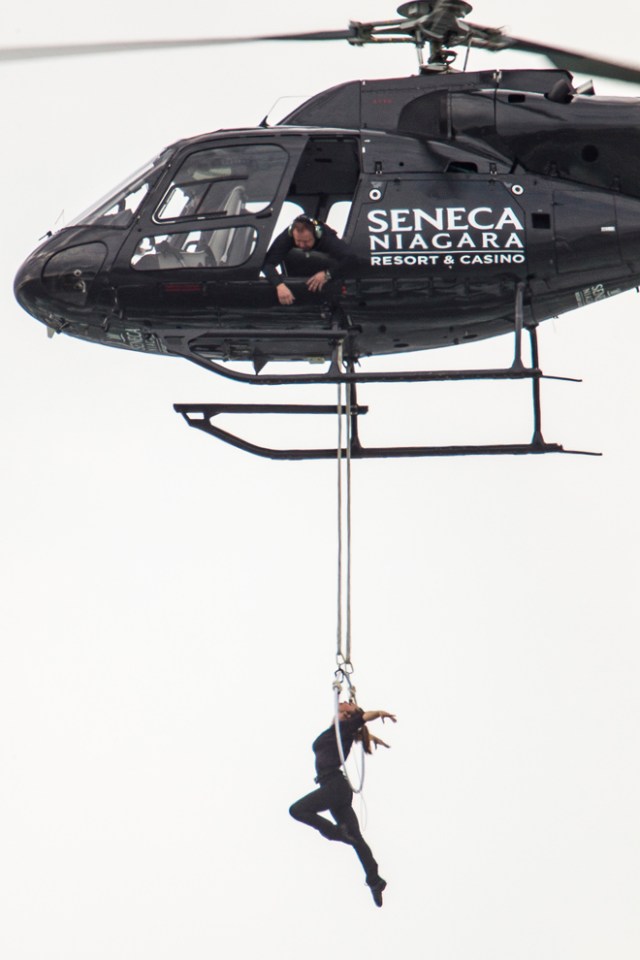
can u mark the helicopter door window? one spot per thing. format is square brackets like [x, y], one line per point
[226, 247]
[225, 182]
[338, 215]
[288, 213]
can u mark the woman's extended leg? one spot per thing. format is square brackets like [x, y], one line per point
[350, 828]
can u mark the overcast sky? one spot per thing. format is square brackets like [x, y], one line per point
[168, 604]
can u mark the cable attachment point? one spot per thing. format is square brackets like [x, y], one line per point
[344, 665]
[342, 676]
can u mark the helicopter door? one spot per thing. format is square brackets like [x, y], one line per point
[324, 182]
[216, 211]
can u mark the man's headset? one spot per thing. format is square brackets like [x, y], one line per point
[314, 225]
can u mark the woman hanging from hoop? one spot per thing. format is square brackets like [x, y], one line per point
[334, 791]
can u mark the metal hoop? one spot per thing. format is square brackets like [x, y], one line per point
[343, 761]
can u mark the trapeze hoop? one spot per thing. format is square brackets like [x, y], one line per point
[336, 722]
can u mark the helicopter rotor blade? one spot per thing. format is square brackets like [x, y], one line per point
[433, 21]
[124, 46]
[575, 62]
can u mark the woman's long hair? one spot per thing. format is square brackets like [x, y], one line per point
[364, 737]
[368, 740]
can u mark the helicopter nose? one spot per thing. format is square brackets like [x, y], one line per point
[51, 283]
[29, 290]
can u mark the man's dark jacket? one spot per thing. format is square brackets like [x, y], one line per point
[335, 254]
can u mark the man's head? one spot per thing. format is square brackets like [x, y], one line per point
[303, 233]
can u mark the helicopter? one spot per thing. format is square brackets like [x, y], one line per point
[476, 204]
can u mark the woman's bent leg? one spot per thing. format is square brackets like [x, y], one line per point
[307, 810]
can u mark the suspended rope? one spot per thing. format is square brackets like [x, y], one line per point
[343, 644]
[344, 668]
[343, 649]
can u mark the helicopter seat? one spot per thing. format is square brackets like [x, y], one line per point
[221, 240]
[194, 258]
[167, 257]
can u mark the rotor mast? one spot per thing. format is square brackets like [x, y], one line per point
[437, 23]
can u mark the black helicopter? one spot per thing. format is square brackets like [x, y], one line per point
[476, 204]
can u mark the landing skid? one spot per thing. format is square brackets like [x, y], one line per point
[200, 416]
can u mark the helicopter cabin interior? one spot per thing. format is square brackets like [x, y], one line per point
[247, 182]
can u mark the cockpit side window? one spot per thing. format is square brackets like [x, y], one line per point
[224, 182]
[223, 247]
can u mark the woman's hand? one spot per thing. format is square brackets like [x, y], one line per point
[387, 716]
[377, 742]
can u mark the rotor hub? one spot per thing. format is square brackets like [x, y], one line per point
[423, 8]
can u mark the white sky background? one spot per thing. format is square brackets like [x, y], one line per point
[168, 603]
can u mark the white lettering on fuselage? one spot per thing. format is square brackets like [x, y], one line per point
[471, 237]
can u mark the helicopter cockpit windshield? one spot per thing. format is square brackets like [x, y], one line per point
[119, 206]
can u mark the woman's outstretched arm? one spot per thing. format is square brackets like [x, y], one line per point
[378, 715]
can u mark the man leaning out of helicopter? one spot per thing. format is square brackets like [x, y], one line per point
[307, 235]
